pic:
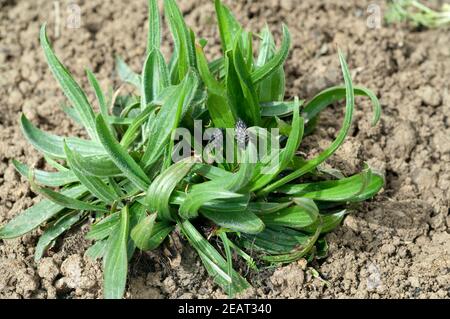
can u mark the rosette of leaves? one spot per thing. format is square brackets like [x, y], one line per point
[123, 182]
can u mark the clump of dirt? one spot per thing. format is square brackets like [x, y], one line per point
[396, 246]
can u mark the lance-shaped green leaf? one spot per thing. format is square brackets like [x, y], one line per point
[240, 89]
[155, 77]
[54, 231]
[184, 43]
[158, 194]
[176, 103]
[299, 252]
[154, 26]
[273, 240]
[274, 64]
[327, 222]
[211, 172]
[126, 74]
[247, 168]
[143, 231]
[273, 87]
[218, 105]
[280, 109]
[227, 247]
[202, 194]
[264, 208]
[241, 221]
[37, 214]
[97, 250]
[335, 94]
[250, 262]
[228, 205]
[98, 93]
[160, 232]
[100, 166]
[216, 65]
[355, 188]
[136, 126]
[53, 145]
[229, 27]
[70, 87]
[94, 184]
[104, 227]
[120, 157]
[149, 234]
[284, 128]
[53, 163]
[116, 259]
[215, 264]
[52, 179]
[303, 214]
[138, 213]
[313, 163]
[248, 89]
[281, 244]
[65, 201]
[287, 154]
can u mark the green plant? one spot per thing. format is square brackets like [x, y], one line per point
[418, 13]
[124, 179]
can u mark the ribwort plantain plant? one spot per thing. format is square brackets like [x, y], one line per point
[124, 180]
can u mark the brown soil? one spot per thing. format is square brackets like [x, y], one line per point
[397, 246]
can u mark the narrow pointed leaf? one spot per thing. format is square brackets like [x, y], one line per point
[215, 264]
[217, 103]
[66, 201]
[52, 179]
[143, 231]
[174, 107]
[335, 94]
[120, 157]
[297, 216]
[70, 87]
[116, 260]
[202, 194]
[273, 87]
[37, 215]
[276, 61]
[160, 232]
[280, 109]
[311, 164]
[327, 222]
[155, 77]
[100, 166]
[287, 154]
[346, 189]
[97, 250]
[53, 145]
[54, 231]
[159, 192]
[184, 45]
[104, 228]
[243, 221]
[136, 126]
[229, 27]
[154, 26]
[94, 184]
[98, 93]
[264, 208]
[227, 248]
